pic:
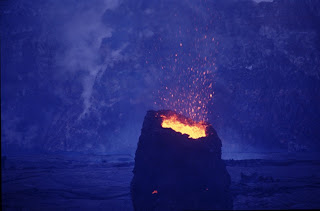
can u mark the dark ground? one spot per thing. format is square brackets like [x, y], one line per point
[102, 182]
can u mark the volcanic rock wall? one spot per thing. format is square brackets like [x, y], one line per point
[266, 85]
[174, 172]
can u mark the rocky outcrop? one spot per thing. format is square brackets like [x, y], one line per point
[174, 172]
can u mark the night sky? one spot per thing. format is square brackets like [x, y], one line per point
[80, 75]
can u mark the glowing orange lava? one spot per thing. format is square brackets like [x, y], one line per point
[195, 130]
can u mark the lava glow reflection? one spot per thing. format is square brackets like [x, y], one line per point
[195, 130]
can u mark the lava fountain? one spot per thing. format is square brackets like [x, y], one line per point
[178, 165]
[178, 162]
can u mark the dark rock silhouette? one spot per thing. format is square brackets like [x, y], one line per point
[174, 172]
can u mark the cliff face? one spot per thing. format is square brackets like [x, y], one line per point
[83, 82]
[269, 73]
[174, 172]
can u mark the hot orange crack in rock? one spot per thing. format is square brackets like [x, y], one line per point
[195, 130]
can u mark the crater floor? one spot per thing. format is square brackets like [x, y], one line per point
[100, 182]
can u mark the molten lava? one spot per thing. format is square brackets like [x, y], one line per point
[194, 130]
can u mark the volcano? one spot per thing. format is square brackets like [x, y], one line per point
[178, 165]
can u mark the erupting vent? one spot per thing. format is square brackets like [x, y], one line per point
[195, 130]
[174, 172]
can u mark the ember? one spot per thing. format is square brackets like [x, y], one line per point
[187, 85]
[194, 130]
